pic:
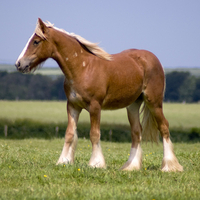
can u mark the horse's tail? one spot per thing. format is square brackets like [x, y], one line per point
[149, 125]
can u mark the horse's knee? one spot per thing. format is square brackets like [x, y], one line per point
[95, 136]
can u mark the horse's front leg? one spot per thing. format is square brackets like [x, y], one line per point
[97, 158]
[71, 138]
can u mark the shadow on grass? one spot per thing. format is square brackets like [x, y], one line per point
[153, 167]
[22, 129]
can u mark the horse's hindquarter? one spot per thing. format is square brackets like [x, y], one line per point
[125, 80]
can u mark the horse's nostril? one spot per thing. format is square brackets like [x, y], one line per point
[17, 65]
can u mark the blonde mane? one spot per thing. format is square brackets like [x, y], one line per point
[92, 47]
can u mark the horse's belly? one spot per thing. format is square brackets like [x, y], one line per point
[124, 86]
[121, 98]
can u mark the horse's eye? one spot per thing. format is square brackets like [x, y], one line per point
[36, 42]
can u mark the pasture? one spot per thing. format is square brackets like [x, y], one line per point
[178, 115]
[28, 170]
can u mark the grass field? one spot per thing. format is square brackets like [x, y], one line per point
[178, 115]
[28, 171]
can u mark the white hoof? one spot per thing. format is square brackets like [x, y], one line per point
[64, 161]
[97, 159]
[171, 165]
[97, 163]
[135, 160]
[128, 166]
[170, 162]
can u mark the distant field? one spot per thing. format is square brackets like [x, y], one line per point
[55, 71]
[48, 71]
[8, 68]
[195, 71]
[178, 115]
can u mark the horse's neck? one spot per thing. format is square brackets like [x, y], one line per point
[69, 55]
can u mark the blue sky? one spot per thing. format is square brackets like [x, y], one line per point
[170, 29]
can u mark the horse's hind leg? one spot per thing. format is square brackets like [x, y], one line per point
[67, 155]
[153, 99]
[135, 159]
[170, 162]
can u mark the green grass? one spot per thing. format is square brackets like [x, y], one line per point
[28, 171]
[182, 115]
[178, 115]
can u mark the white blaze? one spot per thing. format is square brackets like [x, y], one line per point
[24, 50]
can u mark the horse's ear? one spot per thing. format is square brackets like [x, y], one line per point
[43, 27]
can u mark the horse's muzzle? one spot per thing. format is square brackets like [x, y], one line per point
[21, 68]
[17, 65]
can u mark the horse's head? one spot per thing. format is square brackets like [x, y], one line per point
[37, 49]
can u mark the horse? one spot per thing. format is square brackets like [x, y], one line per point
[96, 80]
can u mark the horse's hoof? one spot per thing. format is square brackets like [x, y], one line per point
[128, 166]
[63, 161]
[171, 166]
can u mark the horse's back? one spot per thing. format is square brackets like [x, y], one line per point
[140, 64]
[132, 72]
[148, 63]
[124, 80]
[141, 57]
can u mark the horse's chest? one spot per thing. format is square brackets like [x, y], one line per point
[74, 96]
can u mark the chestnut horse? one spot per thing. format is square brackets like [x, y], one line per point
[96, 80]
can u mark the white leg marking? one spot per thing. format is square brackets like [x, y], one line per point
[25, 48]
[67, 155]
[97, 158]
[83, 63]
[135, 159]
[170, 162]
[168, 149]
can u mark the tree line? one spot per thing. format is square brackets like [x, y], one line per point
[180, 87]
[17, 86]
